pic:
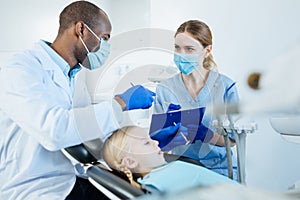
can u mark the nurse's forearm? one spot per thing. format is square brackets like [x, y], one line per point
[219, 140]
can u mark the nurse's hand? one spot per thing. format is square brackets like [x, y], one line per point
[199, 132]
[170, 137]
[136, 97]
[173, 107]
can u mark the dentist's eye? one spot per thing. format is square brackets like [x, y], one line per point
[106, 37]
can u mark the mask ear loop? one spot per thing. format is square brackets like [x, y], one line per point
[84, 44]
[92, 32]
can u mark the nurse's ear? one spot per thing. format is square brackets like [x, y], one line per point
[208, 50]
[129, 162]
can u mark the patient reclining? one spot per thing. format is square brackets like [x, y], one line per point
[130, 150]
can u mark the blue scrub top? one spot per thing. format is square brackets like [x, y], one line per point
[218, 89]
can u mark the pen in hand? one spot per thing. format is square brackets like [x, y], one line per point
[187, 141]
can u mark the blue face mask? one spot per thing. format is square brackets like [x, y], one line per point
[186, 63]
[98, 58]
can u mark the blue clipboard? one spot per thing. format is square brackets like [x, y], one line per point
[186, 117]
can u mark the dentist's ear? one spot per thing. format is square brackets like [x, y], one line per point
[129, 162]
[79, 27]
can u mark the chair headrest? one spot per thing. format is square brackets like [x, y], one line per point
[81, 154]
[87, 152]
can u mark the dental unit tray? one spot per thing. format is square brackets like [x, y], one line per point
[239, 127]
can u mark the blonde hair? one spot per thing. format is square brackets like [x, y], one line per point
[113, 150]
[201, 32]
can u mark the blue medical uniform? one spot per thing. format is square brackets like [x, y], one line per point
[218, 89]
[38, 117]
[179, 176]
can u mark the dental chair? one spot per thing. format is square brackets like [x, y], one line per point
[110, 182]
[87, 165]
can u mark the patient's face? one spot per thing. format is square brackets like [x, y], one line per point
[144, 150]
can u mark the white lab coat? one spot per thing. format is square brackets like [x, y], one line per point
[37, 119]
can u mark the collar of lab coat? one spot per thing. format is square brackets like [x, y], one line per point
[54, 65]
[55, 57]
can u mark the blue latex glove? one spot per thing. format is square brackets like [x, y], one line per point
[137, 97]
[165, 135]
[173, 107]
[199, 132]
[170, 137]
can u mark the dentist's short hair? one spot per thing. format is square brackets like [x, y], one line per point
[79, 11]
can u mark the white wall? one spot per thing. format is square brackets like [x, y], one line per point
[248, 35]
[26, 22]
[126, 16]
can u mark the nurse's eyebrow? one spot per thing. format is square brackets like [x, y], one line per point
[184, 45]
[189, 46]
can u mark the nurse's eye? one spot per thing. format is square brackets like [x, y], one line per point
[189, 49]
[177, 47]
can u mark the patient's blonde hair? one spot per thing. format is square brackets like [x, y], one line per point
[113, 152]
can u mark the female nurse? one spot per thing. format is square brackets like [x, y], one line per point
[198, 85]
